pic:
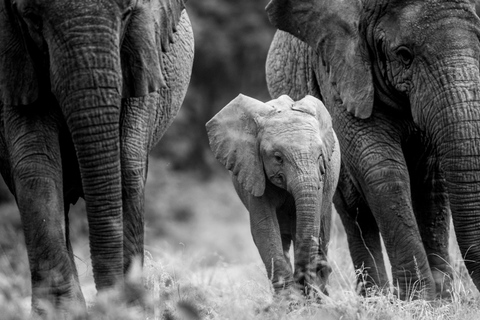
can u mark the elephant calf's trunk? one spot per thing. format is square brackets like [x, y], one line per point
[311, 267]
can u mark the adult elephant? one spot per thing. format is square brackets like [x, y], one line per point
[401, 80]
[87, 89]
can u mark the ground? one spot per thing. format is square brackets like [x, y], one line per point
[201, 263]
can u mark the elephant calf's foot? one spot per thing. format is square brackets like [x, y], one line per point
[282, 284]
[314, 279]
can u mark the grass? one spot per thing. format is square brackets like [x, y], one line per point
[201, 263]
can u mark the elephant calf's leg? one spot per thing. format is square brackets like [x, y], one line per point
[267, 238]
[265, 230]
[363, 237]
[33, 146]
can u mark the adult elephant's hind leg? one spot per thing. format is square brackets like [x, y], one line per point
[144, 120]
[33, 145]
[136, 129]
[363, 237]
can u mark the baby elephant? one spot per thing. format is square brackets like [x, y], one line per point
[285, 160]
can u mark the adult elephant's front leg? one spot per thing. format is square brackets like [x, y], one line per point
[32, 138]
[430, 203]
[371, 149]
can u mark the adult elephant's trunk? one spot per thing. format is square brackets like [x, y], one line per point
[456, 133]
[307, 192]
[86, 76]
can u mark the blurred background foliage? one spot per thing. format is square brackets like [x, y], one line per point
[231, 44]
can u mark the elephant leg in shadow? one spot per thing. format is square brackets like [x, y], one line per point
[431, 207]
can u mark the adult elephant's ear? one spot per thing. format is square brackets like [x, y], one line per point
[316, 108]
[18, 78]
[232, 134]
[149, 32]
[331, 28]
[169, 12]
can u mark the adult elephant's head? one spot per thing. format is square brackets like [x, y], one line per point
[420, 58]
[84, 56]
[290, 144]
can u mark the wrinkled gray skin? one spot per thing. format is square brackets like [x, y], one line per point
[401, 81]
[284, 159]
[87, 89]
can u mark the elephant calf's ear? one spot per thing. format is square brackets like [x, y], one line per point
[18, 78]
[316, 108]
[232, 134]
[331, 28]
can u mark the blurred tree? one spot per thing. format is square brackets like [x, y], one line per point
[231, 44]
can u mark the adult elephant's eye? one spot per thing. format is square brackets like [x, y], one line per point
[405, 55]
[278, 158]
[126, 14]
[33, 20]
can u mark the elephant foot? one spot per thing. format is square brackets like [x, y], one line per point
[59, 308]
[282, 285]
[371, 289]
[54, 297]
[295, 299]
[313, 281]
[414, 289]
[443, 284]
[371, 283]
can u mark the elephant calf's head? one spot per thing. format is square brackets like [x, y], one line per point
[282, 140]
